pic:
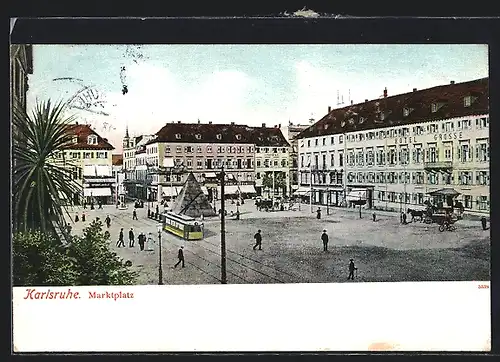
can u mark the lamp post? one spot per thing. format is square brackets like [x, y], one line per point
[360, 205]
[160, 269]
[222, 228]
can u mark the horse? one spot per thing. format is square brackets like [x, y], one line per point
[416, 213]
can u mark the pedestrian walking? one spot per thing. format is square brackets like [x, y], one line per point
[131, 238]
[258, 240]
[77, 218]
[84, 205]
[352, 268]
[100, 204]
[108, 221]
[180, 256]
[157, 210]
[483, 223]
[318, 213]
[83, 216]
[141, 239]
[324, 238]
[120, 242]
[374, 216]
[134, 215]
[404, 219]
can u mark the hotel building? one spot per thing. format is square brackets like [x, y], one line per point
[395, 150]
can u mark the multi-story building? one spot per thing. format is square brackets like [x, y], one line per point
[202, 149]
[137, 178]
[88, 159]
[272, 161]
[119, 176]
[291, 132]
[399, 149]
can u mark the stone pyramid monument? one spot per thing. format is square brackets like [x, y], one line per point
[191, 201]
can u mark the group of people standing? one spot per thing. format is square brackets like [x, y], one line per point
[144, 243]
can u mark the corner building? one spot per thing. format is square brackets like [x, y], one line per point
[395, 150]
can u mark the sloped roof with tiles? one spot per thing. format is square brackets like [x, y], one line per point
[403, 109]
[82, 131]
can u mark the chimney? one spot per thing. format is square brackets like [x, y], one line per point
[199, 121]
[76, 123]
[275, 126]
[209, 122]
[452, 82]
[352, 102]
[329, 109]
[366, 100]
[385, 92]
[263, 125]
[178, 122]
[279, 125]
[414, 89]
[232, 123]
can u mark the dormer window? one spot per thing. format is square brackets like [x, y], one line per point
[198, 136]
[342, 124]
[238, 137]
[361, 120]
[467, 101]
[382, 116]
[219, 136]
[92, 139]
[177, 136]
[406, 112]
[434, 107]
[75, 139]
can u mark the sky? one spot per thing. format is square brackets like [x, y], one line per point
[245, 84]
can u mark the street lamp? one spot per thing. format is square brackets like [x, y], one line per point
[160, 270]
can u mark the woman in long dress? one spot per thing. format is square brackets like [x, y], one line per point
[149, 242]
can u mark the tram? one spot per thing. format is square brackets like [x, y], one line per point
[183, 226]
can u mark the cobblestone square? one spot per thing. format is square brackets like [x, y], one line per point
[293, 252]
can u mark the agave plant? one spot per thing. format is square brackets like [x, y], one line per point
[40, 179]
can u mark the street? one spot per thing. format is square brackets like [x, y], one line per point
[293, 252]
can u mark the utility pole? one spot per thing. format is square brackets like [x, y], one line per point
[273, 190]
[160, 267]
[222, 229]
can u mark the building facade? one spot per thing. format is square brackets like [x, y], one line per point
[119, 176]
[180, 148]
[272, 161]
[291, 132]
[395, 150]
[88, 160]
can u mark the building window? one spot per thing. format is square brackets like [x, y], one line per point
[178, 149]
[189, 163]
[482, 122]
[283, 163]
[92, 140]
[209, 148]
[465, 178]
[238, 137]
[219, 136]
[434, 107]
[198, 149]
[188, 149]
[308, 143]
[167, 149]
[198, 136]
[341, 139]
[482, 152]
[406, 112]
[467, 101]
[482, 178]
[332, 159]
[482, 202]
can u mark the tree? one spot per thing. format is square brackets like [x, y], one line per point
[39, 182]
[38, 259]
[279, 180]
[95, 263]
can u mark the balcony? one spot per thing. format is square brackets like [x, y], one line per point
[438, 165]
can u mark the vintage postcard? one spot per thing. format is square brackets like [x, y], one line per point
[250, 197]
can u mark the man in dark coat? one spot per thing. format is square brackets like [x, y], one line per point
[108, 221]
[352, 268]
[141, 239]
[258, 240]
[318, 213]
[180, 256]
[324, 238]
[131, 238]
[120, 242]
[134, 215]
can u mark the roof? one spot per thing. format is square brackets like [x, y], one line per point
[203, 133]
[219, 133]
[82, 131]
[367, 115]
[117, 160]
[270, 137]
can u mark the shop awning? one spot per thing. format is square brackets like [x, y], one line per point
[168, 191]
[229, 190]
[356, 195]
[444, 192]
[97, 191]
[247, 189]
[210, 175]
[302, 191]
